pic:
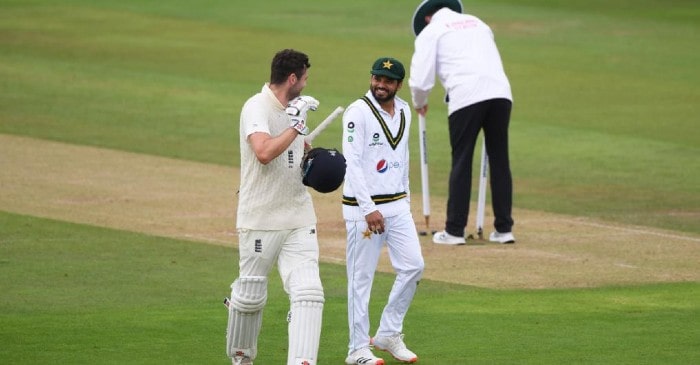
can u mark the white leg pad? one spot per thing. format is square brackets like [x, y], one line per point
[248, 297]
[306, 293]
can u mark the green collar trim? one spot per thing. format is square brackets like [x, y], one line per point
[393, 140]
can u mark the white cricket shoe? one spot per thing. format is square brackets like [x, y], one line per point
[363, 356]
[394, 345]
[445, 238]
[242, 360]
[502, 237]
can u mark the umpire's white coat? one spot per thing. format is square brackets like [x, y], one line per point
[376, 152]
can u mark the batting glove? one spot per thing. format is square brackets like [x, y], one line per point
[297, 108]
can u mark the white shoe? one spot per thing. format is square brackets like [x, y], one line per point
[502, 237]
[242, 360]
[445, 238]
[363, 356]
[394, 345]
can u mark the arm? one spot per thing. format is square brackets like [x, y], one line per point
[267, 148]
[353, 142]
[423, 68]
[355, 172]
[264, 145]
[406, 158]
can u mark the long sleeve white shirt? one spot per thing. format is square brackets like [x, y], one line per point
[377, 159]
[461, 50]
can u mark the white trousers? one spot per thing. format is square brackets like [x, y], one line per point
[296, 253]
[363, 252]
[290, 249]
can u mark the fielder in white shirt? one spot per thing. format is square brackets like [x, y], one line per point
[460, 49]
[376, 209]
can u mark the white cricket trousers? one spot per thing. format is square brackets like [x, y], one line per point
[290, 249]
[363, 252]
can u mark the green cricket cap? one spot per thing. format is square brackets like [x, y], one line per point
[389, 67]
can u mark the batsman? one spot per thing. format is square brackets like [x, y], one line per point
[276, 221]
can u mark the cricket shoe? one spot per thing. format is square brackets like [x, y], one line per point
[242, 360]
[445, 238]
[502, 237]
[394, 345]
[363, 356]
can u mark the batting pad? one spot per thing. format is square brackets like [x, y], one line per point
[304, 328]
[248, 297]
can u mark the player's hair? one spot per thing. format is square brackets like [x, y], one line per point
[287, 62]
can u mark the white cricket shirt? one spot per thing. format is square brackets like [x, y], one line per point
[461, 50]
[377, 159]
[272, 196]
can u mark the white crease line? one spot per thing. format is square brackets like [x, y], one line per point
[635, 230]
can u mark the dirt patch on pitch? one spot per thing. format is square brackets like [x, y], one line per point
[196, 201]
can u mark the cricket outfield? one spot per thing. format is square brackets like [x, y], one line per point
[118, 178]
[196, 201]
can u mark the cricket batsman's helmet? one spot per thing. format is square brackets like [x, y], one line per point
[323, 169]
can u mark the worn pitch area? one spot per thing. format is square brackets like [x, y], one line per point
[196, 201]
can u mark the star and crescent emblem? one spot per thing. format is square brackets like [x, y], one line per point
[387, 64]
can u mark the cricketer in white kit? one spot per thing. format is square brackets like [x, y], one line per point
[275, 219]
[376, 209]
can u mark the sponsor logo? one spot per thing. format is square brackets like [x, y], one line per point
[350, 139]
[376, 141]
[384, 165]
[351, 127]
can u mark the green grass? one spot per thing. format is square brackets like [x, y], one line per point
[76, 294]
[604, 125]
[605, 92]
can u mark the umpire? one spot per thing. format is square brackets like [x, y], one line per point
[461, 49]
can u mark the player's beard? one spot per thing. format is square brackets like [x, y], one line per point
[387, 96]
[293, 92]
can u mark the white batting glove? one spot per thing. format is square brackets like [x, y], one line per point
[297, 108]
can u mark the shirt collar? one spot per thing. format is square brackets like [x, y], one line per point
[376, 103]
[268, 93]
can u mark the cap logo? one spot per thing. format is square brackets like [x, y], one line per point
[387, 64]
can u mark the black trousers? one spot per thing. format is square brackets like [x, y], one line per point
[493, 116]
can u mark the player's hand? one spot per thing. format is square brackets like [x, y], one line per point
[375, 222]
[297, 108]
